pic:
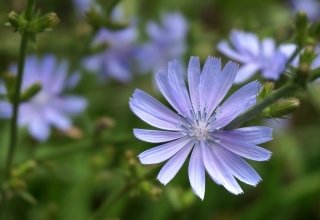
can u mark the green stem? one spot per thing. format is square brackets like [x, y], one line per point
[16, 97]
[259, 106]
[102, 210]
[315, 76]
[16, 100]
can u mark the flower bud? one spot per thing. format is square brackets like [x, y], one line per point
[30, 92]
[24, 168]
[266, 90]
[15, 20]
[301, 28]
[10, 83]
[104, 123]
[281, 108]
[45, 22]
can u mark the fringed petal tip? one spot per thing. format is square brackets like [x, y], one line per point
[257, 182]
[233, 63]
[162, 182]
[214, 58]
[172, 61]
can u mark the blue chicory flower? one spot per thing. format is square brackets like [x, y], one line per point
[167, 42]
[116, 61]
[198, 126]
[256, 56]
[49, 106]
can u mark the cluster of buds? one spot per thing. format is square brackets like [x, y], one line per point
[30, 28]
[280, 109]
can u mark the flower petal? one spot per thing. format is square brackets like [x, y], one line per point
[196, 172]
[170, 169]
[170, 93]
[245, 72]
[237, 166]
[224, 81]
[194, 80]
[46, 69]
[178, 84]
[58, 79]
[250, 135]
[268, 47]
[39, 128]
[163, 152]
[208, 162]
[246, 43]
[117, 67]
[57, 118]
[5, 109]
[155, 136]
[237, 103]
[246, 150]
[209, 77]
[217, 169]
[153, 112]
[225, 49]
[71, 104]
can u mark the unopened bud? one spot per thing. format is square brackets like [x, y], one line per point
[266, 90]
[30, 92]
[104, 123]
[308, 55]
[73, 133]
[301, 28]
[16, 20]
[45, 22]
[10, 83]
[24, 168]
[282, 108]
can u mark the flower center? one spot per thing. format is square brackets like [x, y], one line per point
[42, 98]
[198, 125]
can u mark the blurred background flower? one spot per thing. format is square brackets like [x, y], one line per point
[255, 55]
[49, 107]
[116, 60]
[167, 41]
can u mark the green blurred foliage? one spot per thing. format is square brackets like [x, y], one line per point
[76, 171]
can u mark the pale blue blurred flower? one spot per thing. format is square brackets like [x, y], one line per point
[116, 61]
[256, 56]
[311, 7]
[49, 107]
[167, 42]
[82, 6]
[198, 126]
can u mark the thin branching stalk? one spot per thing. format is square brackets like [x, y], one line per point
[102, 211]
[16, 96]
